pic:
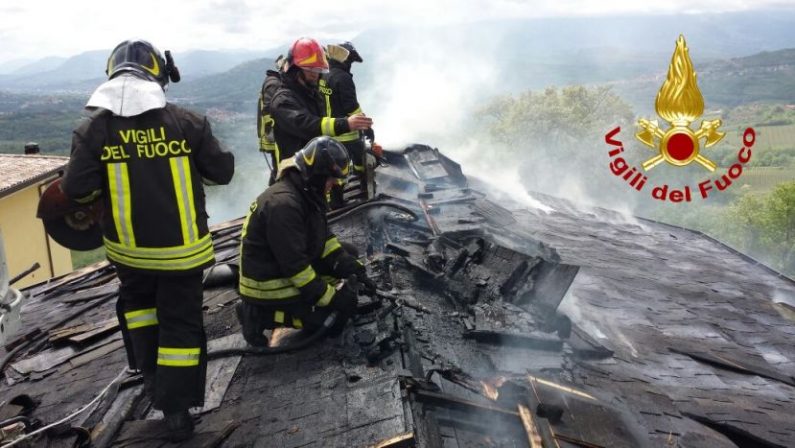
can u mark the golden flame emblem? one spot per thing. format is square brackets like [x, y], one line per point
[679, 102]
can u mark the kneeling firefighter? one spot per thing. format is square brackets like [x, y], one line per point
[289, 260]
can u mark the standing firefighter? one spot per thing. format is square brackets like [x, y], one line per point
[267, 142]
[299, 112]
[343, 101]
[146, 160]
[289, 259]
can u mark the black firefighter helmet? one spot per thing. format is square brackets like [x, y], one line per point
[142, 59]
[321, 158]
[353, 55]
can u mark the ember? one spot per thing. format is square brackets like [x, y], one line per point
[491, 387]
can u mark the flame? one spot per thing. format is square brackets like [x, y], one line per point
[679, 101]
[491, 387]
[532, 379]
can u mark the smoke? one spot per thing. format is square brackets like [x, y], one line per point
[429, 87]
[424, 87]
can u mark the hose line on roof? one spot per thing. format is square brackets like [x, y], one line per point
[334, 217]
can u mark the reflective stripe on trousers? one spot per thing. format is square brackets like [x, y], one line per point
[178, 357]
[141, 318]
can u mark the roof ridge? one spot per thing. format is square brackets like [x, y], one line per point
[35, 156]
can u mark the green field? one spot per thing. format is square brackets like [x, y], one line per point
[765, 178]
[770, 137]
[767, 137]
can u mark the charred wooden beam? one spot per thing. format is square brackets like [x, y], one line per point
[405, 440]
[451, 401]
[537, 341]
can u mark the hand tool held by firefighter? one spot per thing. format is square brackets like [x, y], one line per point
[73, 225]
[373, 148]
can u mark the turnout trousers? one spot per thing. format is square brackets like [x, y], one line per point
[162, 325]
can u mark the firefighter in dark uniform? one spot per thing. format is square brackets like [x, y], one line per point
[298, 109]
[267, 142]
[146, 159]
[289, 260]
[343, 101]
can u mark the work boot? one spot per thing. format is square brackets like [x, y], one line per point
[179, 425]
[252, 329]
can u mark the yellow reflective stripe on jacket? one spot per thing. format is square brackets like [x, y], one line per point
[352, 135]
[332, 244]
[348, 137]
[358, 168]
[278, 317]
[327, 126]
[278, 283]
[274, 289]
[141, 318]
[297, 323]
[178, 357]
[277, 289]
[119, 189]
[325, 299]
[183, 187]
[183, 257]
[244, 230]
[163, 253]
[272, 294]
[302, 278]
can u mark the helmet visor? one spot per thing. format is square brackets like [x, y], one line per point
[320, 70]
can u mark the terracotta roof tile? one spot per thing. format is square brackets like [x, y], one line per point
[19, 171]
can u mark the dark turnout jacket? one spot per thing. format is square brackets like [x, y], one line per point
[343, 99]
[265, 121]
[300, 115]
[287, 247]
[344, 103]
[148, 169]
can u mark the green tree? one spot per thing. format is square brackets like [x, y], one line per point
[764, 226]
[559, 117]
[780, 223]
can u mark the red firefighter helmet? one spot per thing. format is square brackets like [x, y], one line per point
[307, 54]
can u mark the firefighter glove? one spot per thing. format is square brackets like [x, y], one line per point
[345, 300]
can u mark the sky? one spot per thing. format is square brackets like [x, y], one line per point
[36, 28]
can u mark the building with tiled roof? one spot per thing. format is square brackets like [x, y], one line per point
[22, 180]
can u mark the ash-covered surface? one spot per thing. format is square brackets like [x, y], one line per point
[497, 325]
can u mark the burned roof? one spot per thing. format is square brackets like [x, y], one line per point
[20, 171]
[496, 324]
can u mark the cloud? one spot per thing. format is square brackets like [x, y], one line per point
[230, 16]
[73, 27]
